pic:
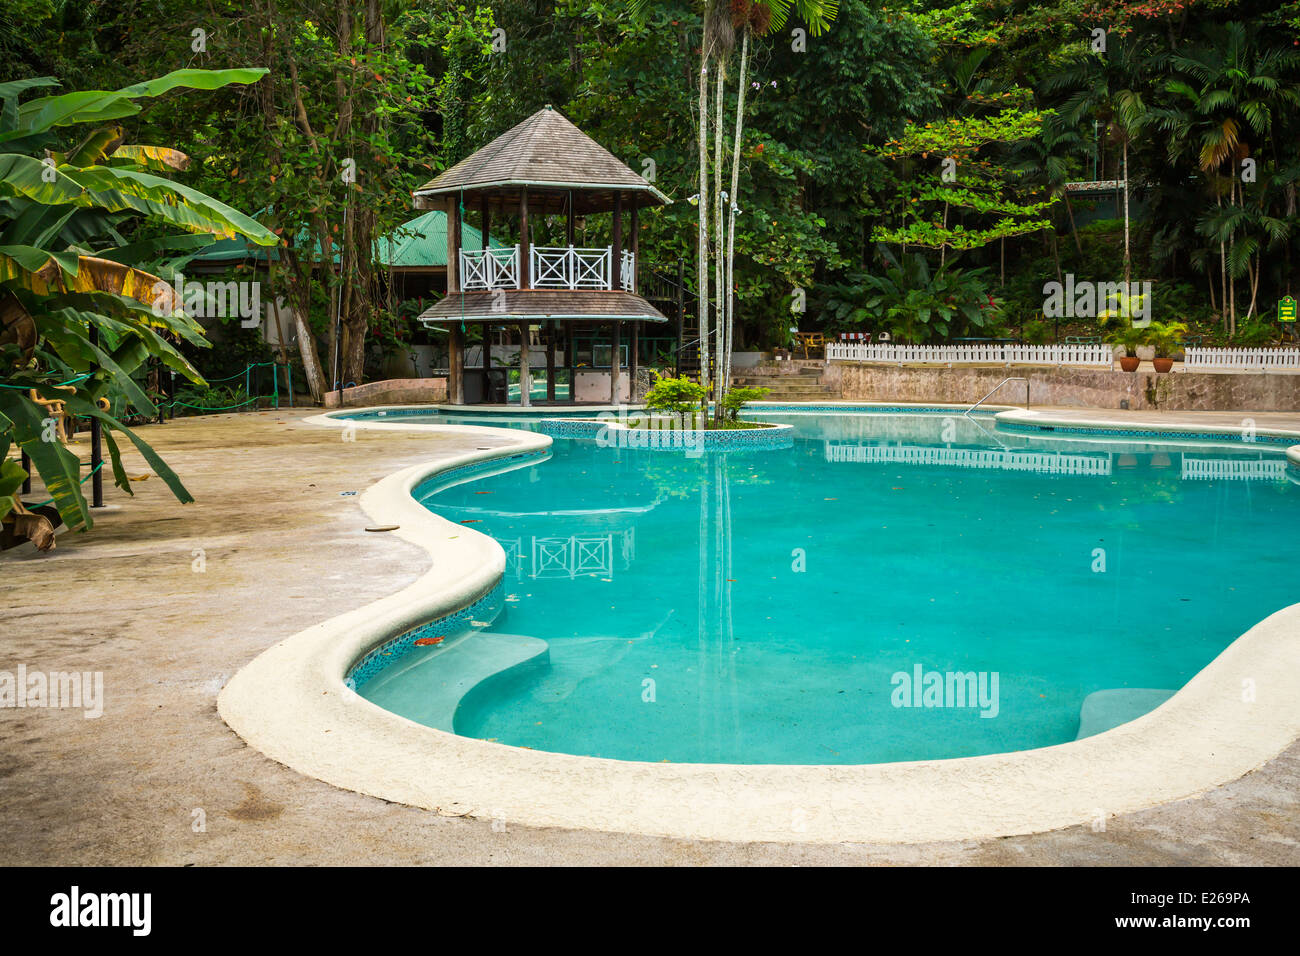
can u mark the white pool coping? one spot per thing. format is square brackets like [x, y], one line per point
[291, 703]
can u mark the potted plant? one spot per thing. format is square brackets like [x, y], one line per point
[1165, 338]
[1131, 339]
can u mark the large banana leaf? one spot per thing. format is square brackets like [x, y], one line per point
[69, 340]
[150, 157]
[96, 106]
[59, 468]
[87, 410]
[112, 187]
[27, 176]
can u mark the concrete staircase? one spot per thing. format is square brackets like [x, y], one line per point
[792, 381]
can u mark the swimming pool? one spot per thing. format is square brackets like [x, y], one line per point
[776, 606]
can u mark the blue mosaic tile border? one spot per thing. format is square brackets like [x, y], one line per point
[410, 412]
[1163, 435]
[382, 655]
[885, 409]
[422, 490]
[670, 440]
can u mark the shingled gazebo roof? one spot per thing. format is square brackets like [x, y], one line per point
[540, 305]
[549, 155]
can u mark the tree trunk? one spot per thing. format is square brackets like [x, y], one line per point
[1128, 265]
[1232, 280]
[720, 265]
[1074, 230]
[731, 221]
[702, 259]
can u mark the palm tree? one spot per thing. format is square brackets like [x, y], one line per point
[720, 20]
[1104, 88]
[755, 19]
[1229, 89]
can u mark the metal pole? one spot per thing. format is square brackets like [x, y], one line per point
[338, 309]
[96, 444]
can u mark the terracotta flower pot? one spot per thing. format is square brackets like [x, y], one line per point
[1129, 363]
[1163, 364]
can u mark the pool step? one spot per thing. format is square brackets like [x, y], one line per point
[428, 684]
[1104, 710]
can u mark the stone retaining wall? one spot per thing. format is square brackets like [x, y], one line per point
[1080, 387]
[393, 391]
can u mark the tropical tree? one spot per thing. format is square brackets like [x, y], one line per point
[1228, 92]
[79, 315]
[1106, 86]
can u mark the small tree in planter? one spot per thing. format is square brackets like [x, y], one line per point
[1166, 338]
[736, 398]
[1131, 338]
[678, 396]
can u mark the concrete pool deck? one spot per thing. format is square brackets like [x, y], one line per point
[273, 528]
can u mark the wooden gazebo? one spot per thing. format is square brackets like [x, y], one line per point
[543, 167]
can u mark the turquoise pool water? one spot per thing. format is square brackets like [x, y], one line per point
[760, 607]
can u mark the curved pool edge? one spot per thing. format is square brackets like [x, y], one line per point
[291, 703]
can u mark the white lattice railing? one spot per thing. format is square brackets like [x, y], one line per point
[1043, 463]
[489, 268]
[565, 267]
[1248, 469]
[1242, 358]
[972, 354]
[627, 271]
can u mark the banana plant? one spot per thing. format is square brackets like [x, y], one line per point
[81, 308]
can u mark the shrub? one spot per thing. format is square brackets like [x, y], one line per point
[1254, 334]
[1037, 332]
[735, 399]
[676, 395]
[1166, 337]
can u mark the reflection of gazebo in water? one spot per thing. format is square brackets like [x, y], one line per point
[544, 166]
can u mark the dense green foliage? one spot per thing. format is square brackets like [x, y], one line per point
[78, 317]
[844, 147]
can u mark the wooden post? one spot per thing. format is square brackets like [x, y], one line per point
[633, 362]
[487, 363]
[636, 258]
[455, 363]
[525, 278]
[485, 220]
[552, 331]
[525, 398]
[616, 249]
[614, 364]
[453, 245]
[570, 224]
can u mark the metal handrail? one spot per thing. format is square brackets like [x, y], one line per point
[1013, 378]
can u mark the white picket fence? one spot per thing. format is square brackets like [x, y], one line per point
[989, 353]
[1043, 463]
[1242, 358]
[1238, 469]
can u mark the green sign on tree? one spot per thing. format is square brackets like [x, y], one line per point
[1286, 309]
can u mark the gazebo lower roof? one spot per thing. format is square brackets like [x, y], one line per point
[509, 306]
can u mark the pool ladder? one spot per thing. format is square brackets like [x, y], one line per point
[1014, 378]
